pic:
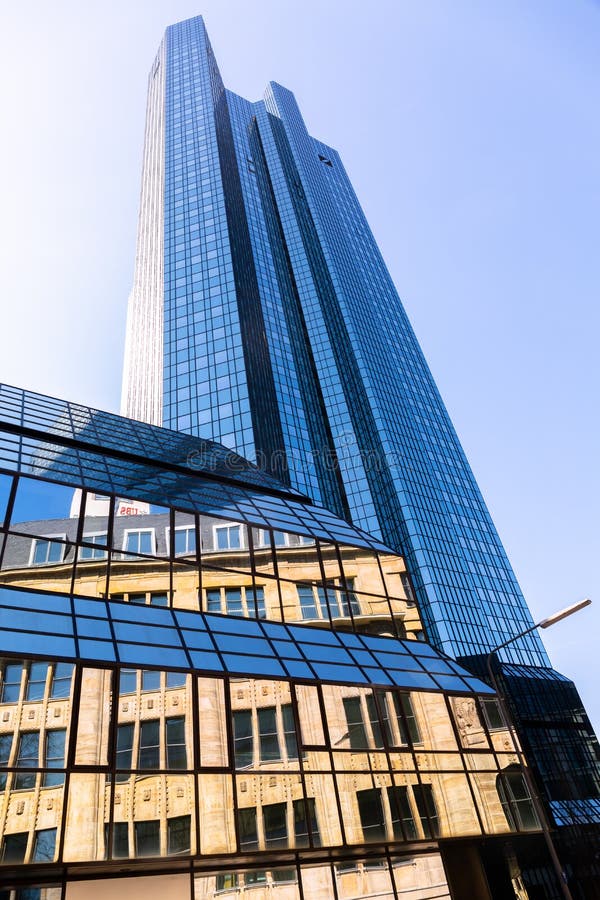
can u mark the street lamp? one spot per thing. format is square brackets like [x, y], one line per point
[541, 814]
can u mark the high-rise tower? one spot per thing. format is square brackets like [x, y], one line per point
[263, 316]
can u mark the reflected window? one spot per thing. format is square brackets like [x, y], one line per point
[175, 679]
[228, 537]
[319, 601]
[371, 814]
[403, 822]
[175, 743]
[149, 749]
[14, 847]
[289, 731]
[178, 835]
[228, 881]
[302, 820]
[98, 551]
[140, 541]
[280, 538]
[60, 685]
[400, 724]
[275, 825]
[516, 801]
[237, 601]
[150, 680]
[11, 683]
[5, 748]
[426, 806]
[184, 540]
[356, 727]
[247, 829]
[127, 681]
[45, 552]
[54, 756]
[233, 602]
[27, 758]
[267, 734]
[44, 846]
[147, 838]
[36, 681]
[242, 738]
[124, 749]
[120, 847]
[493, 715]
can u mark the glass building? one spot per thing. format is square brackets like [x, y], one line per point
[212, 687]
[263, 316]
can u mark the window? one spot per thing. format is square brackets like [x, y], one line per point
[213, 600]
[44, 846]
[516, 801]
[98, 551]
[280, 538]
[318, 601]
[178, 835]
[227, 882]
[27, 758]
[55, 756]
[493, 715]
[150, 680]
[11, 683]
[175, 679]
[374, 720]
[127, 681]
[289, 731]
[402, 701]
[60, 686]
[267, 734]
[228, 537]
[147, 838]
[407, 587]
[399, 720]
[14, 847]
[139, 541]
[403, 823]
[184, 540]
[5, 748]
[308, 605]
[301, 821]
[371, 814]
[423, 794]
[274, 820]
[233, 602]
[36, 681]
[237, 601]
[123, 756]
[175, 741]
[45, 552]
[120, 848]
[149, 750]
[242, 738]
[356, 726]
[247, 829]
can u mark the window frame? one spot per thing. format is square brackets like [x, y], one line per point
[49, 539]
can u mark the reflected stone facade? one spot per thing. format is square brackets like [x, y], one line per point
[227, 693]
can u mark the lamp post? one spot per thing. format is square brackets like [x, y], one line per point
[539, 809]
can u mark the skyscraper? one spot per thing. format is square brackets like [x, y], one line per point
[263, 316]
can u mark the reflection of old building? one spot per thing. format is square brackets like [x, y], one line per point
[217, 707]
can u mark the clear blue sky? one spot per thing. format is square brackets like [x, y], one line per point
[472, 135]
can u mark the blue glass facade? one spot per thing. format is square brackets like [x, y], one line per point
[284, 339]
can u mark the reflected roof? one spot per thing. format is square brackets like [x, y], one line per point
[92, 630]
[106, 453]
